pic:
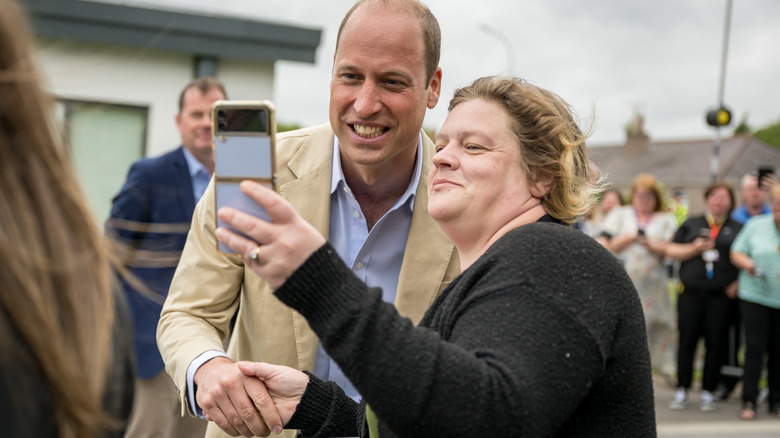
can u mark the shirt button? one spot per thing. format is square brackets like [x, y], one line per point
[356, 213]
[358, 266]
[346, 189]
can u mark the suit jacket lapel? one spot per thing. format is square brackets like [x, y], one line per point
[309, 188]
[305, 182]
[183, 183]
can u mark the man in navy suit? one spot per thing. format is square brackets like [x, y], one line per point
[150, 219]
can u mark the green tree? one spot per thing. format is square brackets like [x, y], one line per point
[743, 127]
[283, 127]
[769, 134]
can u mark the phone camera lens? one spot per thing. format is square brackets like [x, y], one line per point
[222, 126]
[221, 114]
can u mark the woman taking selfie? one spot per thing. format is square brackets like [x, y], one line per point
[541, 334]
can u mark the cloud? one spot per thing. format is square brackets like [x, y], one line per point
[659, 57]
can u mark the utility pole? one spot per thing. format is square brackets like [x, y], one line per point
[510, 52]
[721, 116]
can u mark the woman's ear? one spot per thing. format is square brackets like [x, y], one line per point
[541, 187]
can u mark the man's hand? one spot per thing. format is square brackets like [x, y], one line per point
[285, 386]
[228, 398]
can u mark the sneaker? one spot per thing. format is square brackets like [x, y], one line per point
[708, 403]
[680, 401]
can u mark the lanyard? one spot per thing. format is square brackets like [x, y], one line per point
[714, 226]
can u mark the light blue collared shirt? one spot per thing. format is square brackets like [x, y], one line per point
[375, 257]
[198, 174]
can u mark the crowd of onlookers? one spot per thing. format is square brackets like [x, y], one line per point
[713, 274]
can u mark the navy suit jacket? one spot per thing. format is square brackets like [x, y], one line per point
[150, 218]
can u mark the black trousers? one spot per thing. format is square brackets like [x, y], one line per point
[703, 314]
[762, 335]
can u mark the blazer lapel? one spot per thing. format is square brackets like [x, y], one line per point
[183, 184]
[304, 181]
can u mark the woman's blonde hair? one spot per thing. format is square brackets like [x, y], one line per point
[552, 147]
[55, 280]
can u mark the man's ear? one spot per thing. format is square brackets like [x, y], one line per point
[435, 85]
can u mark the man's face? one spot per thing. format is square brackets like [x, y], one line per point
[194, 122]
[752, 196]
[378, 92]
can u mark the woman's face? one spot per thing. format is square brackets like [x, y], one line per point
[643, 200]
[609, 201]
[476, 180]
[719, 202]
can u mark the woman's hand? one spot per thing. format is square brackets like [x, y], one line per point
[701, 244]
[285, 386]
[743, 261]
[732, 289]
[276, 248]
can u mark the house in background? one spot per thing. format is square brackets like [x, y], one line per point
[683, 167]
[117, 70]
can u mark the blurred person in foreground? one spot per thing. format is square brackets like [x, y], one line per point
[756, 251]
[66, 354]
[637, 234]
[150, 219]
[541, 334]
[707, 292]
[360, 180]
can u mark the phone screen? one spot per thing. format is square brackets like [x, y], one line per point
[242, 120]
[243, 150]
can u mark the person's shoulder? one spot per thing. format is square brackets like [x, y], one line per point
[159, 162]
[739, 214]
[540, 236]
[733, 223]
[695, 221]
[323, 131]
[665, 215]
[760, 220]
[291, 144]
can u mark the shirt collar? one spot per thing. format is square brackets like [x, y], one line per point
[337, 174]
[196, 167]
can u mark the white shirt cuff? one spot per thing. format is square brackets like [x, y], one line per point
[191, 370]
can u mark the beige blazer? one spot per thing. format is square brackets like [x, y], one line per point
[209, 288]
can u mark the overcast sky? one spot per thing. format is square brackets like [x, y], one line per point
[607, 58]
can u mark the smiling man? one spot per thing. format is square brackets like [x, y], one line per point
[360, 180]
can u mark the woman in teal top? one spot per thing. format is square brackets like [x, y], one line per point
[756, 251]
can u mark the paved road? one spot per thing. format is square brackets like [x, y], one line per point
[723, 423]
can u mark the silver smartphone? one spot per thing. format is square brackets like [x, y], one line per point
[244, 149]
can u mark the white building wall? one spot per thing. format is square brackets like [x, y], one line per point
[123, 75]
[142, 77]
